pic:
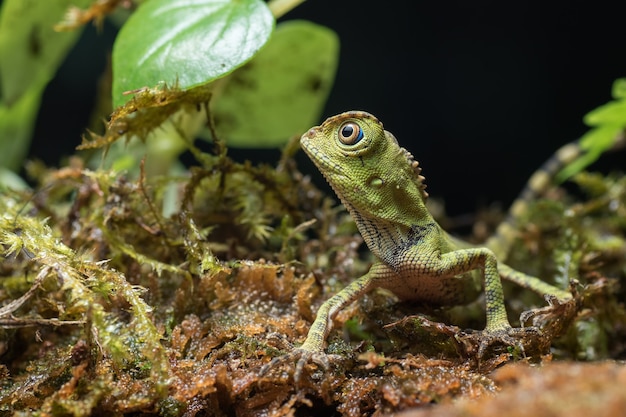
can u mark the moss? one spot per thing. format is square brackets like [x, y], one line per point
[112, 307]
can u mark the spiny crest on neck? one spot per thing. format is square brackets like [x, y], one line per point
[419, 179]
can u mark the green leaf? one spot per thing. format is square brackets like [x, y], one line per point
[17, 122]
[619, 88]
[594, 142]
[613, 112]
[601, 137]
[10, 180]
[30, 54]
[187, 42]
[282, 91]
[30, 49]
[607, 121]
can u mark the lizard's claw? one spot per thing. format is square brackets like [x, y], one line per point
[301, 357]
[477, 343]
[556, 317]
[547, 323]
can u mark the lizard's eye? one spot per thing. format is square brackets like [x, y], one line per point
[350, 133]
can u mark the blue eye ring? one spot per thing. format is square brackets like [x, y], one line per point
[350, 133]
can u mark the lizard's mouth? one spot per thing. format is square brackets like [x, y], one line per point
[319, 158]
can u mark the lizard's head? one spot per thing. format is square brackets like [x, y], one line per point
[338, 144]
[355, 152]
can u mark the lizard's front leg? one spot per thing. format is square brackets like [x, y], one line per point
[497, 328]
[313, 347]
[465, 260]
[419, 264]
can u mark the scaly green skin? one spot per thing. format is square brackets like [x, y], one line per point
[379, 184]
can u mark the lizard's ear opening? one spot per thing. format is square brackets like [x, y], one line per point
[350, 133]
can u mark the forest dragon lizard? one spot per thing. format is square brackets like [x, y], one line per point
[380, 185]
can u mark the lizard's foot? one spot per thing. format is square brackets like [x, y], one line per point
[476, 343]
[556, 316]
[553, 320]
[301, 357]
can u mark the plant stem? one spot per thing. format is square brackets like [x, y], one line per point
[280, 7]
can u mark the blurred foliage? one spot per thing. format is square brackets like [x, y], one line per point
[182, 52]
[607, 123]
[31, 51]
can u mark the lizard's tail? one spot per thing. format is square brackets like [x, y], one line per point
[538, 184]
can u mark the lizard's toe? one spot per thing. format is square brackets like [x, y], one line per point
[556, 317]
[300, 358]
[478, 343]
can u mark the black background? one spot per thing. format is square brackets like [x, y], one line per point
[480, 92]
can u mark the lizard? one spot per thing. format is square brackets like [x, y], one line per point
[381, 186]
